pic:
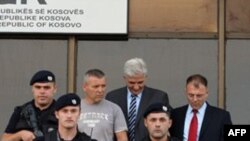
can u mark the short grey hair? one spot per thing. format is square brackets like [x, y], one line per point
[135, 66]
[94, 73]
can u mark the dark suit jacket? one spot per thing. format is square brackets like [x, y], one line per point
[211, 128]
[149, 96]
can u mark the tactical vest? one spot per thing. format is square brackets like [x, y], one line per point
[39, 122]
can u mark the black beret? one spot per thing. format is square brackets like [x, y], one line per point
[157, 108]
[43, 76]
[69, 99]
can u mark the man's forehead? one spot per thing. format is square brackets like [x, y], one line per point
[158, 115]
[70, 108]
[196, 84]
[196, 88]
[43, 83]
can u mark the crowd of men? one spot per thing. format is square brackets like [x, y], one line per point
[134, 112]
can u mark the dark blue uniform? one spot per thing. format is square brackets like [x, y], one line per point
[169, 139]
[54, 136]
[46, 119]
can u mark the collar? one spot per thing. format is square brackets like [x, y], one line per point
[201, 110]
[130, 94]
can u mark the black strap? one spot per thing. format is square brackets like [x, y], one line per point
[30, 116]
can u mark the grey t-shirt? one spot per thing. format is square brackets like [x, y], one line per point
[102, 120]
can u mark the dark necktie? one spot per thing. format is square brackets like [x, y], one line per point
[193, 129]
[132, 118]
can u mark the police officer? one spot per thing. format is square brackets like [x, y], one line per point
[67, 112]
[30, 121]
[157, 120]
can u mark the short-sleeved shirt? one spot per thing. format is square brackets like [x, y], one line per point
[102, 120]
[45, 118]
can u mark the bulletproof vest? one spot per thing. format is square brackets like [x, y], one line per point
[36, 121]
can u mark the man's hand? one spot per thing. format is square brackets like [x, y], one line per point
[23, 135]
[26, 135]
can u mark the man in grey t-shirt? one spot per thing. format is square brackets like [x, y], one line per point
[100, 118]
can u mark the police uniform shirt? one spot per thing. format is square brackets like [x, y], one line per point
[54, 136]
[43, 117]
[169, 139]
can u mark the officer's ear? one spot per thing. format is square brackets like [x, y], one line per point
[170, 122]
[145, 122]
[55, 88]
[56, 114]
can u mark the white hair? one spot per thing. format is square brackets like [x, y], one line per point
[135, 66]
